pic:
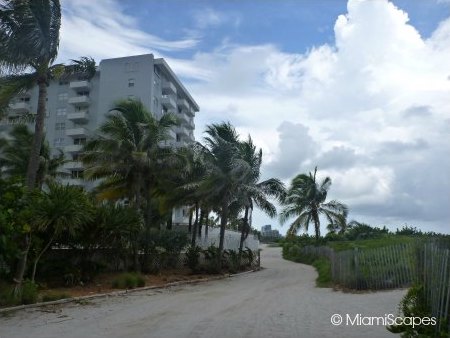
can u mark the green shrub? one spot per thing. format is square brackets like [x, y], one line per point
[193, 257]
[323, 267]
[29, 292]
[232, 259]
[7, 296]
[212, 258]
[128, 281]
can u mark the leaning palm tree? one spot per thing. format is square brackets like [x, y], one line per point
[226, 172]
[256, 192]
[305, 200]
[29, 40]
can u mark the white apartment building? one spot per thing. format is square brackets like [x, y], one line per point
[77, 107]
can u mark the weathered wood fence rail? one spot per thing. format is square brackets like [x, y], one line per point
[382, 268]
[434, 275]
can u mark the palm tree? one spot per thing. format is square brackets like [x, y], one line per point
[226, 172]
[63, 208]
[127, 154]
[253, 192]
[14, 157]
[305, 200]
[29, 40]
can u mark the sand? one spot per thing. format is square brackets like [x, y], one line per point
[279, 301]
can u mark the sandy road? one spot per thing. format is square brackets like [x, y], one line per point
[279, 301]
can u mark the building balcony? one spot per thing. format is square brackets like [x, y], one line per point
[73, 148]
[74, 181]
[84, 84]
[168, 102]
[79, 116]
[183, 104]
[168, 88]
[77, 132]
[171, 135]
[190, 125]
[80, 101]
[182, 118]
[190, 112]
[182, 131]
[20, 107]
[73, 165]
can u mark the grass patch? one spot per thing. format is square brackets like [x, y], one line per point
[50, 297]
[374, 243]
[323, 267]
[128, 281]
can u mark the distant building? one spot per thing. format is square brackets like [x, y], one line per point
[77, 106]
[266, 231]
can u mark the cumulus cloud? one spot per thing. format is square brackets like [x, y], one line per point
[371, 109]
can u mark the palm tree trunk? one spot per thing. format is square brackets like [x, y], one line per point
[207, 224]
[316, 225]
[36, 261]
[200, 223]
[243, 231]
[223, 224]
[32, 169]
[194, 229]
[190, 220]
[33, 161]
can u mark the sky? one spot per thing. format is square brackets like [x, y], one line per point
[358, 88]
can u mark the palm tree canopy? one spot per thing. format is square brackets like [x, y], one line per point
[305, 200]
[29, 34]
[128, 150]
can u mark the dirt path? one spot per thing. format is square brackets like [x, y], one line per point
[279, 301]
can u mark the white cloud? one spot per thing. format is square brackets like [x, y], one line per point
[372, 109]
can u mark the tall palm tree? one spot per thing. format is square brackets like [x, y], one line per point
[305, 200]
[29, 40]
[226, 171]
[256, 192]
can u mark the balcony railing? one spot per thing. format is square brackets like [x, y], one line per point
[83, 84]
[182, 103]
[73, 148]
[168, 102]
[168, 88]
[72, 165]
[82, 100]
[76, 132]
[79, 116]
[20, 107]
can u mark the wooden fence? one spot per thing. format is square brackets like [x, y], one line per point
[434, 275]
[382, 268]
[396, 266]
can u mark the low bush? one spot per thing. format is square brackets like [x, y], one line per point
[29, 292]
[232, 259]
[193, 257]
[128, 281]
[212, 258]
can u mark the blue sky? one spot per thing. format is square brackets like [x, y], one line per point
[359, 87]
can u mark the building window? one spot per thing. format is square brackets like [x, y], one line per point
[83, 93]
[79, 141]
[60, 126]
[157, 72]
[61, 111]
[130, 82]
[63, 96]
[178, 138]
[58, 142]
[75, 157]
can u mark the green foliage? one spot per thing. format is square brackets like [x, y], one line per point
[248, 256]
[212, 257]
[128, 281]
[414, 305]
[232, 259]
[193, 257]
[29, 292]
[51, 297]
[292, 252]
